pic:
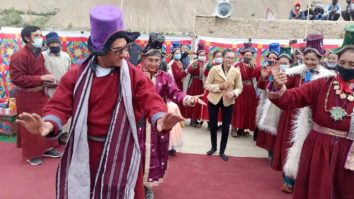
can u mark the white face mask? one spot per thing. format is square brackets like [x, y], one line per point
[284, 67]
[218, 60]
[37, 42]
[331, 65]
[202, 58]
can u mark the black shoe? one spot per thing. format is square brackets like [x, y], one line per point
[172, 152]
[240, 132]
[224, 157]
[211, 152]
[34, 161]
[193, 123]
[246, 134]
[52, 153]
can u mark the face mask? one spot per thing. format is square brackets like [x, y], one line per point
[55, 49]
[202, 58]
[246, 60]
[37, 42]
[177, 56]
[218, 60]
[346, 74]
[284, 67]
[331, 65]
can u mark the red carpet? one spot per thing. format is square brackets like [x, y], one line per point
[189, 177]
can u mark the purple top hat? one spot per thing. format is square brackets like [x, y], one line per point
[274, 48]
[105, 20]
[315, 42]
[106, 27]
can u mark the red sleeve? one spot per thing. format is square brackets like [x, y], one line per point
[61, 104]
[256, 72]
[178, 74]
[193, 70]
[18, 74]
[299, 97]
[262, 84]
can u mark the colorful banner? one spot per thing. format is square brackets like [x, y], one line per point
[76, 47]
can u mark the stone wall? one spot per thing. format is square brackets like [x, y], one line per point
[264, 29]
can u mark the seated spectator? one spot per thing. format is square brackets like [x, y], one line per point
[296, 12]
[348, 13]
[332, 11]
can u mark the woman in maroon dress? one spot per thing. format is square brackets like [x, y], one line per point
[175, 68]
[326, 168]
[265, 131]
[244, 114]
[195, 87]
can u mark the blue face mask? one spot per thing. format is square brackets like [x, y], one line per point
[37, 42]
[177, 56]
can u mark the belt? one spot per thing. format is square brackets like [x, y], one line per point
[195, 77]
[329, 131]
[247, 82]
[35, 89]
[97, 139]
[349, 163]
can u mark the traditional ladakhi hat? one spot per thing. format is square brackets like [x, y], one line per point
[247, 47]
[200, 48]
[274, 48]
[348, 38]
[52, 37]
[154, 46]
[106, 26]
[315, 42]
[285, 52]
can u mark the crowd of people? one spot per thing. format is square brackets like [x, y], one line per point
[297, 105]
[317, 11]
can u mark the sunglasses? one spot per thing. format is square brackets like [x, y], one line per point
[118, 51]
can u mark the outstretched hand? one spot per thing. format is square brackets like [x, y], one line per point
[280, 78]
[196, 99]
[34, 124]
[168, 121]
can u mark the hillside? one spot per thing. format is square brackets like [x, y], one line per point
[169, 16]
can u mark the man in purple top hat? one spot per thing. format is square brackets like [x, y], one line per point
[105, 96]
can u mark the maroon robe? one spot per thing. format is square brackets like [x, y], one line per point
[178, 73]
[321, 171]
[244, 114]
[195, 87]
[283, 138]
[26, 69]
[264, 139]
[101, 108]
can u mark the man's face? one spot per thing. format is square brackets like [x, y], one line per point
[152, 63]
[34, 35]
[334, 1]
[117, 53]
[348, 1]
[297, 7]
